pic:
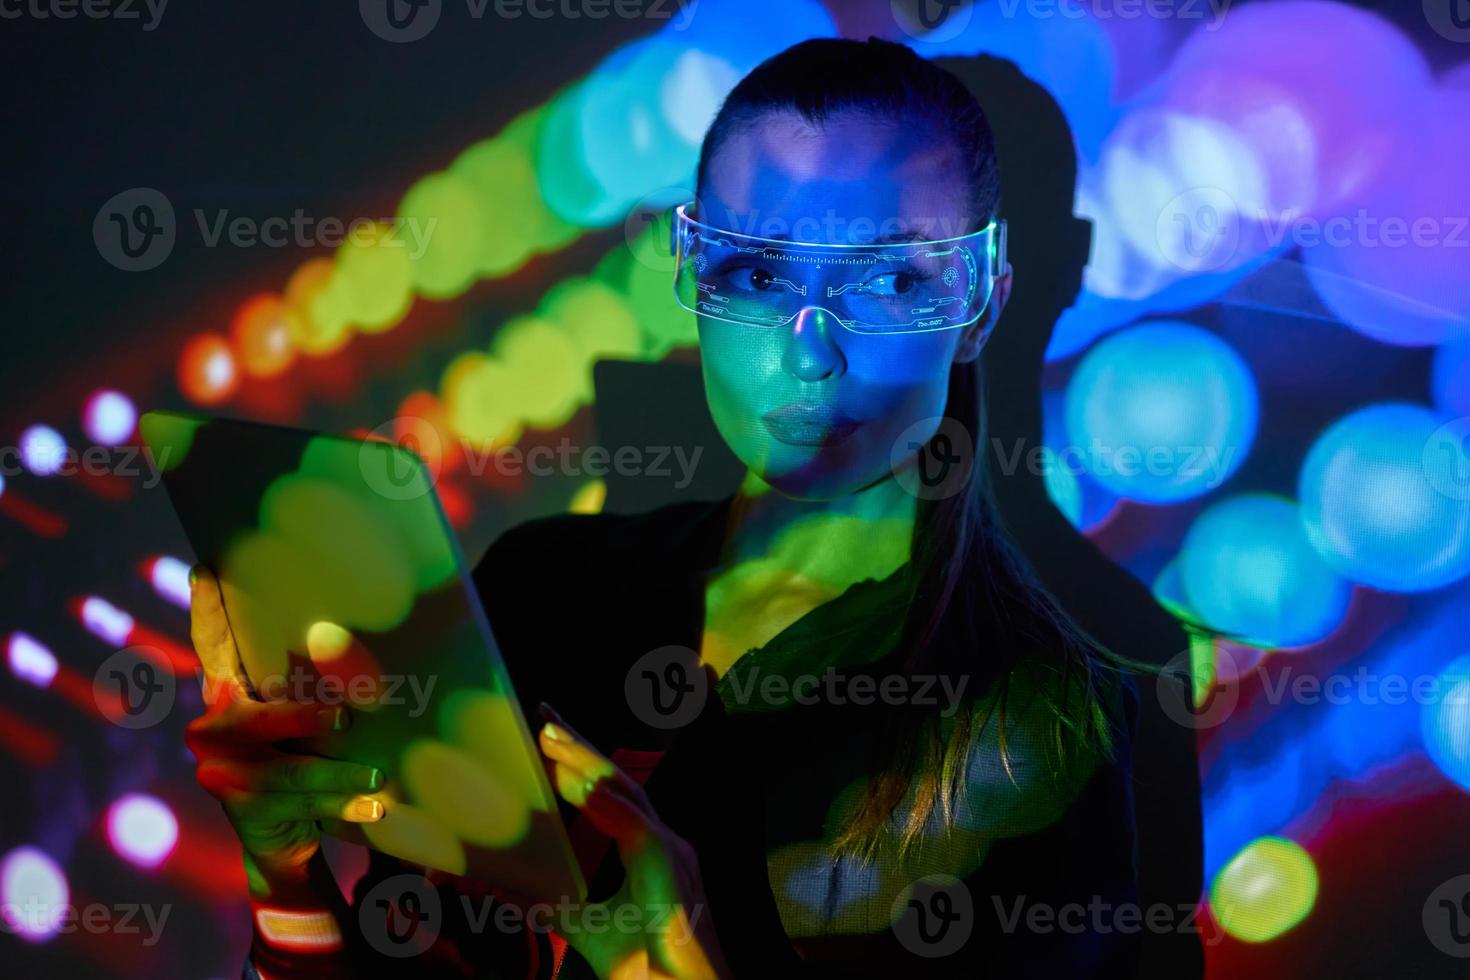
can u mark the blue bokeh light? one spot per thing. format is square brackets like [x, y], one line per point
[1247, 568]
[1381, 507]
[1162, 412]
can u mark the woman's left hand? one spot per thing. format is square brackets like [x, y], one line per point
[658, 925]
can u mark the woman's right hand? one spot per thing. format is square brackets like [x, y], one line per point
[272, 797]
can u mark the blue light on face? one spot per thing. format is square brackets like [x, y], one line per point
[1247, 568]
[1162, 412]
[1382, 505]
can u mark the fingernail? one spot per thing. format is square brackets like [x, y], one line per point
[363, 810]
[334, 719]
[373, 779]
[193, 575]
[554, 733]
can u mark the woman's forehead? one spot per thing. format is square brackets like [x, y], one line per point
[840, 181]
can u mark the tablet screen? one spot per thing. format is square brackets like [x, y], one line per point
[344, 584]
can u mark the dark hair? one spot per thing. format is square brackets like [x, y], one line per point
[973, 599]
[823, 76]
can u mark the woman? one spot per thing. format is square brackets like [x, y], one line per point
[893, 748]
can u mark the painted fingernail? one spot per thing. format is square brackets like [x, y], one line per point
[363, 810]
[333, 719]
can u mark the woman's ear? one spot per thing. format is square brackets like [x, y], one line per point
[972, 342]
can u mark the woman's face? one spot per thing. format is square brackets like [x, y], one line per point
[812, 408]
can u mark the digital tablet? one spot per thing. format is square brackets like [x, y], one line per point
[343, 583]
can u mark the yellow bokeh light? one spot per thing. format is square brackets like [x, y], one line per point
[441, 216]
[463, 795]
[544, 370]
[1265, 890]
[374, 268]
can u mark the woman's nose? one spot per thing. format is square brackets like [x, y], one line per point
[812, 353]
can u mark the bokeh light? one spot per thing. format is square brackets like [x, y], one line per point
[1450, 380]
[1162, 412]
[30, 660]
[106, 621]
[170, 578]
[35, 894]
[1247, 568]
[208, 373]
[261, 334]
[443, 235]
[109, 417]
[43, 451]
[1265, 890]
[1395, 268]
[1379, 508]
[142, 829]
[1446, 722]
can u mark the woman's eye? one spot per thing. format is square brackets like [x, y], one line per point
[751, 277]
[892, 284]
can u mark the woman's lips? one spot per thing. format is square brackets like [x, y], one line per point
[800, 424]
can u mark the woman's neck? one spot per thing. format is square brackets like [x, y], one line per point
[868, 530]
